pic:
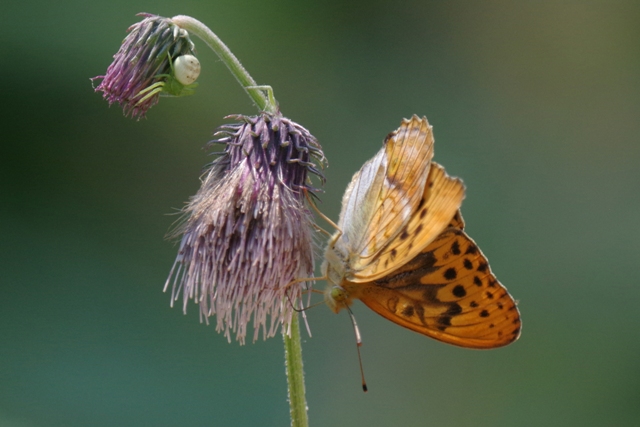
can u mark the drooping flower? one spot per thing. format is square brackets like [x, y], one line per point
[247, 232]
[156, 57]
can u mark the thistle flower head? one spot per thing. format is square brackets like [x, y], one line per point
[156, 57]
[247, 232]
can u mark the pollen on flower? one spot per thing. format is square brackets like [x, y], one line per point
[247, 232]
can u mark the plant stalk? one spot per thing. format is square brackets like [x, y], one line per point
[295, 375]
[292, 347]
[255, 92]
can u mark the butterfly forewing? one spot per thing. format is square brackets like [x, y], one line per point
[441, 199]
[383, 195]
[449, 293]
[457, 221]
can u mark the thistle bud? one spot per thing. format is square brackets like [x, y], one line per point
[247, 232]
[147, 65]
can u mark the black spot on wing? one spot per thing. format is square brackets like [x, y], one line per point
[455, 248]
[408, 311]
[388, 137]
[484, 313]
[404, 235]
[450, 273]
[467, 264]
[454, 309]
[443, 322]
[459, 291]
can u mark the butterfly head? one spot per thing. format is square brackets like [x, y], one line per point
[337, 298]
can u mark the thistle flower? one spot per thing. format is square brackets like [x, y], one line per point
[247, 232]
[156, 57]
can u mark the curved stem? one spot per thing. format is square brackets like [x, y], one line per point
[250, 86]
[295, 375]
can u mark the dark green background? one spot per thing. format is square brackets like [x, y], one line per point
[536, 105]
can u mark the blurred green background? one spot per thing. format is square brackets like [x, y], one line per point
[536, 105]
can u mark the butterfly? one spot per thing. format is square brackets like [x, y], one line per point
[401, 249]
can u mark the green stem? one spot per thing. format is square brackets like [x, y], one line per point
[193, 26]
[295, 375]
[292, 347]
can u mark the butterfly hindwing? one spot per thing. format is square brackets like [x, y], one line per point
[447, 292]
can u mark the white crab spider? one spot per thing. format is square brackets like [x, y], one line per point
[184, 72]
[186, 69]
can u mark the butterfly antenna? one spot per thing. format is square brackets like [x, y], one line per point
[358, 345]
[300, 310]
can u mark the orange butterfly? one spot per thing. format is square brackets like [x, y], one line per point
[402, 250]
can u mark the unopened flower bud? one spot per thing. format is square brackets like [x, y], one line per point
[145, 66]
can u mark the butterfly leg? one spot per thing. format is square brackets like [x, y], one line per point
[323, 216]
[304, 279]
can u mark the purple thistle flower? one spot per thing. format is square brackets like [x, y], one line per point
[247, 232]
[143, 67]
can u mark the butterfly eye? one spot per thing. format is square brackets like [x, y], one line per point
[186, 69]
[338, 294]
